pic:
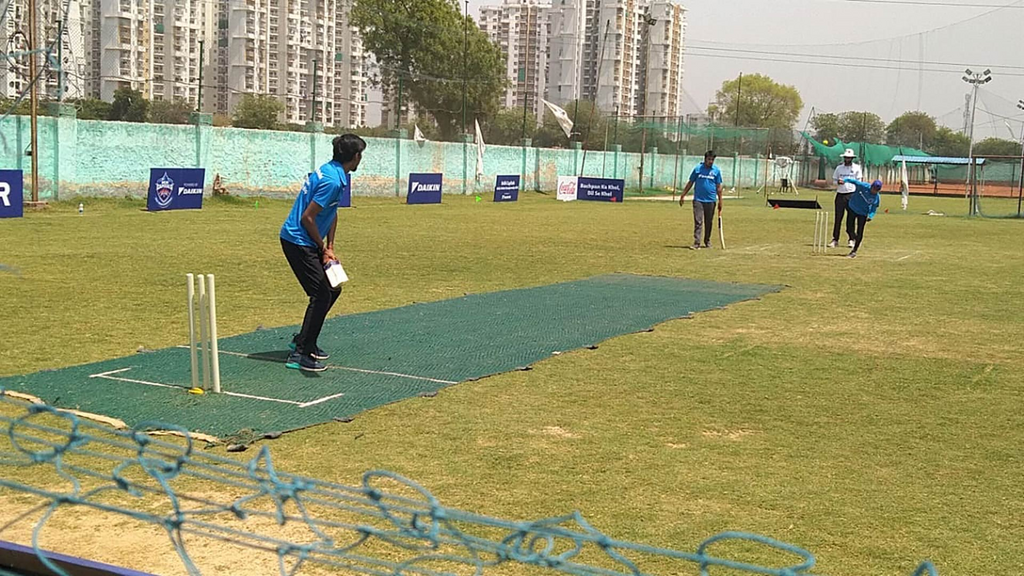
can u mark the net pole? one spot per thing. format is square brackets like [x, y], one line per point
[1020, 182]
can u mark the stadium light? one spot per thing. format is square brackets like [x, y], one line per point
[975, 80]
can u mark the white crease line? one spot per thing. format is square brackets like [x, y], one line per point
[319, 400]
[293, 403]
[350, 369]
[907, 256]
[107, 376]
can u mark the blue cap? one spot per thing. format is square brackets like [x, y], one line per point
[876, 184]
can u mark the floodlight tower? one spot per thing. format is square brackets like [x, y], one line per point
[975, 79]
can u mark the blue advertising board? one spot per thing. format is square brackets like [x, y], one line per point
[506, 188]
[175, 188]
[600, 189]
[12, 194]
[424, 189]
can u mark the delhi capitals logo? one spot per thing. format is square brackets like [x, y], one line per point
[164, 191]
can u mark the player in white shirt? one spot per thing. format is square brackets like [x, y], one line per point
[843, 191]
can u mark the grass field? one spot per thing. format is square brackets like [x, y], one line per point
[870, 412]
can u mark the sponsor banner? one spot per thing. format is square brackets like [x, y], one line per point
[424, 189]
[506, 188]
[12, 194]
[175, 188]
[567, 188]
[601, 189]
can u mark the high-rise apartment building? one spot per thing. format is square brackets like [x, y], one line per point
[303, 52]
[14, 73]
[521, 28]
[625, 54]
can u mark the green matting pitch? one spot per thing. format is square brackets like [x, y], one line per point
[377, 357]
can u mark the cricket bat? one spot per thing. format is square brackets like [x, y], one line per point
[721, 233]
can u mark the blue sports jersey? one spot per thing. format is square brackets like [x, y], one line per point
[323, 187]
[864, 201]
[706, 181]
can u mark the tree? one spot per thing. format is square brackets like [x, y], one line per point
[762, 103]
[421, 44]
[92, 109]
[862, 127]
[22, 108]
[997, 147]
[259, 111]
[949, 143]
[506, 127]
[128, 106]
[915, 129]
[825, 126]
[175, 111]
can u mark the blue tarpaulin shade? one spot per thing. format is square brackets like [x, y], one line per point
[937, 160]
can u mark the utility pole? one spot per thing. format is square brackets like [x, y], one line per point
[199, 101]
[739, 99]
[648, 22]
[60, 61]
[739, 96]
[526, 72]
[465, 56]
[33, 98]
[315, 70]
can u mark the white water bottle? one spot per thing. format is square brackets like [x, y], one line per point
[81, 208]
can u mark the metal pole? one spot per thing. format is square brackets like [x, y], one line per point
[739, 155]
[465, 56]
[398, 109]
[199, 100]
[526, 74]
[675, 173]
[60, 61]
[398, 142]
[648, 22]
[465, 80]
[315, 67]
[615, 140]
[1020, 186]
[971, 170]
[739, 96]
[33, 98]
[575, 116]
[604, 155]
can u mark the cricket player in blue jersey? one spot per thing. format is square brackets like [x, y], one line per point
[307, 238]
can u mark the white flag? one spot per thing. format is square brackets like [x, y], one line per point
[904, 184]
[562, 117]
[418, 136]
[480, 148]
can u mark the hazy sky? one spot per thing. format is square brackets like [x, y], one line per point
[884, 56]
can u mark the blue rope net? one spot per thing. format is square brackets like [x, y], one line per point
[387, 526]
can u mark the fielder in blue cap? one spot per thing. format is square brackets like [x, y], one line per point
[863, 203]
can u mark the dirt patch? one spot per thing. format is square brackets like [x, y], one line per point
[556, 432]
[737, 434]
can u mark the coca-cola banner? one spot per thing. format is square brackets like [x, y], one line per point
[567, 188]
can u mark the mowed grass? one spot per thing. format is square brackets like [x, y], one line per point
[870, 412]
